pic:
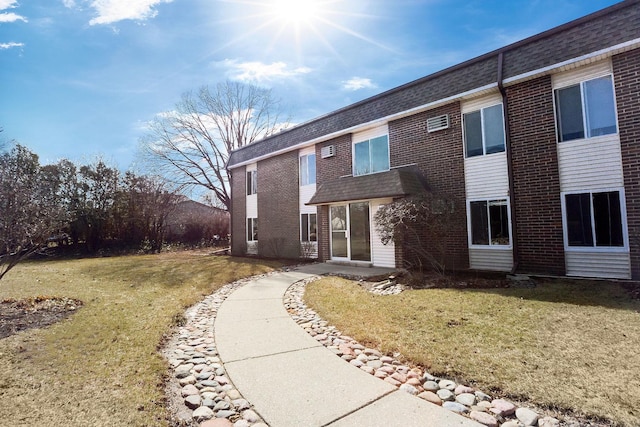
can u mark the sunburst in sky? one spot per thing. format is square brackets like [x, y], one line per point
[81, 78]
[298, 24]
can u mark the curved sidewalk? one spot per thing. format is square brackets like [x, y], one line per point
[292, 380]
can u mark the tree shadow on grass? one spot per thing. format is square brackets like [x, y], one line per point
[609, 294]
[585, 292]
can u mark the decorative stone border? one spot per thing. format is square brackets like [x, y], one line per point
[458, 398]
[199, 390]
[200, 393]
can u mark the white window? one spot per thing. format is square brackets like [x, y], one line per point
[371, 156]
[252, 229]
[484, 131]
[586, 109]
[308, 227]
[489, 222]
[594, 219]
[252, 182]
[308, 169]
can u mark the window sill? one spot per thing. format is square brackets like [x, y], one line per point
[492, 247]
[598, 249]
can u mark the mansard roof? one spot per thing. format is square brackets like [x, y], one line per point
[613, 26]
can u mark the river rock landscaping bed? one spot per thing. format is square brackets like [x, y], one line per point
[199, 392]
[453, 396]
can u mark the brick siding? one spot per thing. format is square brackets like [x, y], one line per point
[278, 206]
[439, 156]
[626, 69]
[239, 212]
[538, 212]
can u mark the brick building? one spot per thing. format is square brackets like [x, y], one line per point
[538, 142]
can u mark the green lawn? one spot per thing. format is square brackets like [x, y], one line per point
[101, 366]
[574, 344]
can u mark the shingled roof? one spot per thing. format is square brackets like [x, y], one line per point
[394, 183]
[609, 27]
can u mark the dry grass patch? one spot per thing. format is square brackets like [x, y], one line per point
[101, 365]
[565, 344]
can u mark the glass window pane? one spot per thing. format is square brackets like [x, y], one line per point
[304, 171]
[311, 168]
[578, 220]
[254, 182]
[252, 229]
[569, 110]
[249, 183]
[313, 228]
[493, 129]
[607, 218]
[304, 227]
[473, 134]
[479, 223]
[600, 108]
[255, 228]
[379, 154]
[360, 232]
[361, 163]
[499, 220]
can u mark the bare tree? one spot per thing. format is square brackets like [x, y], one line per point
[28, 212]
[190, 146]
[424, 225]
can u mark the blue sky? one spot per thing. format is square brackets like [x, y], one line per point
[80, 78]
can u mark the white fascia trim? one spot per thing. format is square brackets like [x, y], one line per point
[610, 51]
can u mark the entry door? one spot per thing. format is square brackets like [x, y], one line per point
[351, 232]
[339, 232]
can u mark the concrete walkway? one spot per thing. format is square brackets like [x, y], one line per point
[292, 380]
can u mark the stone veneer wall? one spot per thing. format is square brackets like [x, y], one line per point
[278, 206]
[538, 212]
[626, 71]
[239, 212]
[440, 157]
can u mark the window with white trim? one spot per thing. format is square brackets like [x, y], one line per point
[371, 156]
[308, 169]
[308, 227]
[594, 219]
[484, 131]
[252, 182]
[252, 229]
[586, 109]
[489, 222]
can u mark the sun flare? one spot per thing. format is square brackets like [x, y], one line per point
[296, 11]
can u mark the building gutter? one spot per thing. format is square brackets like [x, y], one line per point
[507, 137]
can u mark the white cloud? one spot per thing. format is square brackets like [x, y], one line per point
[69, 3]
[357, 83]
[110, 11]
[8, 4]
[11, 17]
[10, 45]
[255, 71]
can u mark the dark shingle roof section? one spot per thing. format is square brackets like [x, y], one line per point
[608, 27]
[394, 183]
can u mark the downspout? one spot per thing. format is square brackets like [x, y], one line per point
[507, 131]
